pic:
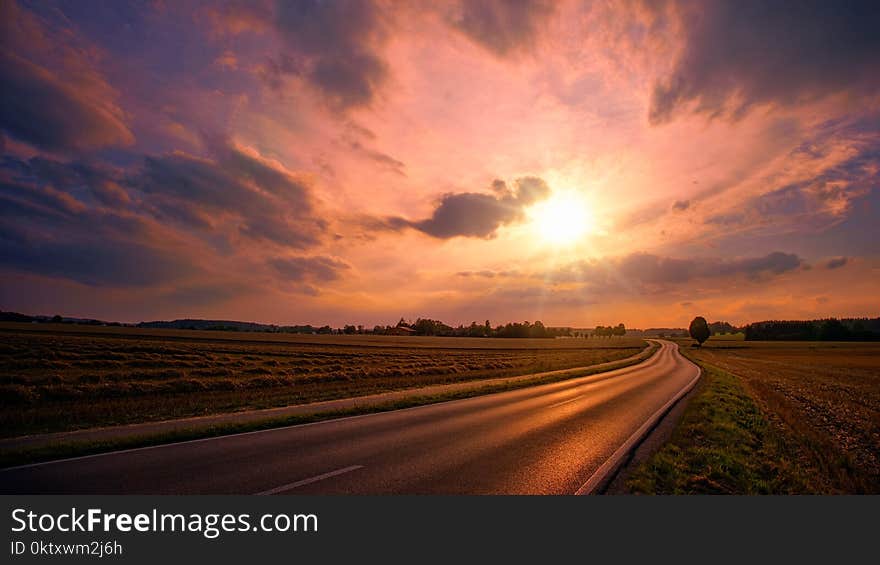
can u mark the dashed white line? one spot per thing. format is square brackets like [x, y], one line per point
[567, 401]
[310, 480]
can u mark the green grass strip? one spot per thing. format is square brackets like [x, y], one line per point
[722, 445]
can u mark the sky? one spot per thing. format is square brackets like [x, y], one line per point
[358, 161]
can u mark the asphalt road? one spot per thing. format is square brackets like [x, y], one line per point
[548, 439]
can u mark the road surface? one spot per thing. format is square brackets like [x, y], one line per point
[547, 439]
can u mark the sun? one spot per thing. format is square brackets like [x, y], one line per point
[562, 219]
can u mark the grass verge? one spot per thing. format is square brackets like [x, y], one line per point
[723, 445]
[9, 458]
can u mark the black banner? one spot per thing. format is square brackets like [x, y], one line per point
[236, 529]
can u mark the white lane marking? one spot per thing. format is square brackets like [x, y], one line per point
[310, 480]
[566, 401]
[612, 462]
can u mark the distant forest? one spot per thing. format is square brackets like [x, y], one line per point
[421, 327]
[830, 329]
[827, 329]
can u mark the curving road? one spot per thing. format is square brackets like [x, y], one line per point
[558, 438]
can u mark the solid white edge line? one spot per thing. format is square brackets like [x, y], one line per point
[310, 480]
[319, 422]
[611, 464]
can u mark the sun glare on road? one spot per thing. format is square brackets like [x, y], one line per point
[562, 219]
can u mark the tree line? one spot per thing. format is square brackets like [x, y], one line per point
[609, 331]
[829, 329]
[537, 329]
[421, 326]
[429, 327]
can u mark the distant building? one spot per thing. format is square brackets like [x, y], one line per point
[400, 330]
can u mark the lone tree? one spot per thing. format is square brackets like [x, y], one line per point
[699, 330]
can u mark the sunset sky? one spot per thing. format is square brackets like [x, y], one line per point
[580, 163]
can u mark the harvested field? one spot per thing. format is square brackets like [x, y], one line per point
[823, 398]
[55, 378]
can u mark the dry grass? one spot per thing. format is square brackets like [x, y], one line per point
[56, 378]
[823, 399]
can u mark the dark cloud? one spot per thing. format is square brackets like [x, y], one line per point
[46, 231]
[53, 97]
[774, 263]
[350, 80]
[836, 262]
[94, 261]
[73, 177]
[263, 201]
[250, 169]
[647, 272]
[334, 45]
[653, 269]
[473, 214]
[739, 54]
[468, 214]
[319, 269]
[58, 219]
[504, 27]
[681, 205]
[39, 108]
[29, 202]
